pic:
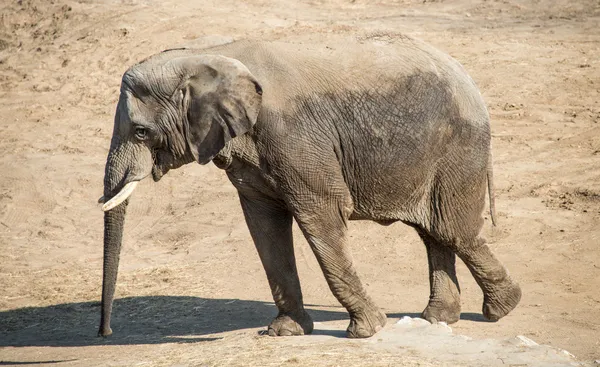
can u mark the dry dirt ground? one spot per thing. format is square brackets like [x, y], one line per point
[191, 288]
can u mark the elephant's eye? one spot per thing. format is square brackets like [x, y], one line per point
[140, 133]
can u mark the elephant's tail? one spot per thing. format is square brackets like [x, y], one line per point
[490, 182]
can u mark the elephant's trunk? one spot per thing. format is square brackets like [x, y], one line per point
[119, 170]
[113, 234]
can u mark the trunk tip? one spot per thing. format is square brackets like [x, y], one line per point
[104, 332]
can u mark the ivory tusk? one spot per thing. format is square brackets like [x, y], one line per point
[121, 196]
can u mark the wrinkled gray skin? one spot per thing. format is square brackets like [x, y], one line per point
[320, 134]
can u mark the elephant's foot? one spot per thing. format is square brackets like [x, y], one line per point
[501, 301]
[291, 324]
[105, 331]
[366, 323]
[442, 312]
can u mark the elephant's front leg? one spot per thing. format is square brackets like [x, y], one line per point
[325, 229]
[322, 207]
[270, 225]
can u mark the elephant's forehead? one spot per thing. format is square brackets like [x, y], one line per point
[147, 80]
[135, 110]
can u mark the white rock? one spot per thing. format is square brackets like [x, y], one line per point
[445, 325]
[405, 320]
[412, 322]
[526, 341]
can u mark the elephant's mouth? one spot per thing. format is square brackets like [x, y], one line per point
[163, 162]
[158, 169]
[157, 173]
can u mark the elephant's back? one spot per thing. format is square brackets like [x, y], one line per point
[290, 71]
[346, 62]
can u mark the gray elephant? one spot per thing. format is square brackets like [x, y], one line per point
[383, 129]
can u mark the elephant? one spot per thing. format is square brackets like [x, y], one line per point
[381, 128]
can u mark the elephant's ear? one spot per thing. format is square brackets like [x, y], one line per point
[221, 100]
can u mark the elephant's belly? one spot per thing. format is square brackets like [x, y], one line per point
[391, 200]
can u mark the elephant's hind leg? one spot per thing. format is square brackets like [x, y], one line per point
[456, 223]
[270, 225]
[501, 293]
[444, 296]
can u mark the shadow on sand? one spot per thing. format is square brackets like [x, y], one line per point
[150, 320]
[139, 320]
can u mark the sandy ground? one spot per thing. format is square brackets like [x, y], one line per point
[191, 288]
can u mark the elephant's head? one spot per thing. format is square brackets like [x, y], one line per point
[174, 108]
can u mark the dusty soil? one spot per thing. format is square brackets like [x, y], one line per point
[191, 288]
